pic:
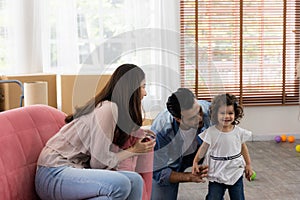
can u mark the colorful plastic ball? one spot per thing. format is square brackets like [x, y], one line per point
[297, 148]
[253, 175]
[277, 139]
[283, 138]
[291, 139]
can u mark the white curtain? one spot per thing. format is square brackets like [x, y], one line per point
[20, 48]
[163, 75]
[144, 32]
[96, 36]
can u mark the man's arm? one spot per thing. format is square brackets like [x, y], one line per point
[162, 126]
[163, 174]
[180, 177]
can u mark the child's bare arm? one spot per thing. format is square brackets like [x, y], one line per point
[246, 155]
[200, 154]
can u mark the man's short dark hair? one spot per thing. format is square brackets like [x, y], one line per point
[182, 99]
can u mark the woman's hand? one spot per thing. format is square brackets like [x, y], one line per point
[145, 144]
[148, 135]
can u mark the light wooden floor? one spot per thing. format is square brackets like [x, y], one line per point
[278, 174]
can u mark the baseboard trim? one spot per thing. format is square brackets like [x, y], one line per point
[267, 137]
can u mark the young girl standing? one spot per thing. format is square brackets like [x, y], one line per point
[226, 152]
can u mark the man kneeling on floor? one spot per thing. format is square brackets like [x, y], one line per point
[177, 141]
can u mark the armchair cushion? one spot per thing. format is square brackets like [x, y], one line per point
[23, 133]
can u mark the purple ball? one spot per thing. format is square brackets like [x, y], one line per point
[277, 139]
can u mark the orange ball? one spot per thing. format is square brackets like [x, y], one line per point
[291, 139]
[283, 138]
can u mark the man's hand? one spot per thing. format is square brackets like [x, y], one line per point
[200, 174]
[179, 177]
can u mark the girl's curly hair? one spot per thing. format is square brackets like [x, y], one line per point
[228, 100]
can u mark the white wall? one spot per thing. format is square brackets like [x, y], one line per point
[266, 122]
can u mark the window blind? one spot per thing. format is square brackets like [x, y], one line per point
[249, 48]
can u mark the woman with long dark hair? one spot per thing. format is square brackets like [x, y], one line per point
[78, 162]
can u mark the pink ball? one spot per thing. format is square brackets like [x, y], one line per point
[277, 139]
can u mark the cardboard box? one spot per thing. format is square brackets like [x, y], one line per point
[10, 93]
[76, 90]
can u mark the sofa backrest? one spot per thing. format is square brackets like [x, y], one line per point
[23, 133]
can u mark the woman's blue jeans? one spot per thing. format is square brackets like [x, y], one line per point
[216, 190]
[74, 183]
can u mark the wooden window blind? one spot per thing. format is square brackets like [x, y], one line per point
[249, 48]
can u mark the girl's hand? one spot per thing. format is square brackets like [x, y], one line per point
[248, 172]
[195, 168]
[199, 170]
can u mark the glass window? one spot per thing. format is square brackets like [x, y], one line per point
[244, 47]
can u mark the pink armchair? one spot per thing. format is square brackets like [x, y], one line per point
[23, 133]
